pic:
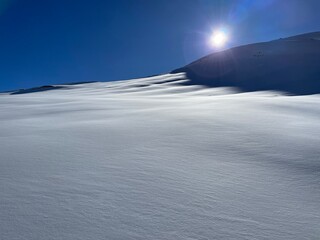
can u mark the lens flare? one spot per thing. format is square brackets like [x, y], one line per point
[218, 39]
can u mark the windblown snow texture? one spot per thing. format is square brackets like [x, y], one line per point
[158, 158]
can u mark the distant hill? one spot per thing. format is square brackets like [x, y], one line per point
[288, 64]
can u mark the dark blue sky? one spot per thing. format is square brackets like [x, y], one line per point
[57, 41]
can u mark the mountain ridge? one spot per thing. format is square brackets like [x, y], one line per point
[290, 65]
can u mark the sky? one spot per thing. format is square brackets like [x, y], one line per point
[45, 42]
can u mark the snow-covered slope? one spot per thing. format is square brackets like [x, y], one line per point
[159, 158]
[153, 159]
[290, 64]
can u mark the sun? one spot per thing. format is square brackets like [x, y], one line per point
[218, 39]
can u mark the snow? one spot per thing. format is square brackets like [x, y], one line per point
[155, 158]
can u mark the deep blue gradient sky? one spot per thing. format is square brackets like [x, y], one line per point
[57, 41]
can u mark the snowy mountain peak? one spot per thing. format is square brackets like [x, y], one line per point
[290, 65]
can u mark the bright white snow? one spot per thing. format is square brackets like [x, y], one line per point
[150, 159]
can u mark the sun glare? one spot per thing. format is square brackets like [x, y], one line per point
[218, 39]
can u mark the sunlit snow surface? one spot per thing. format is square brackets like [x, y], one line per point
[151, 159]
